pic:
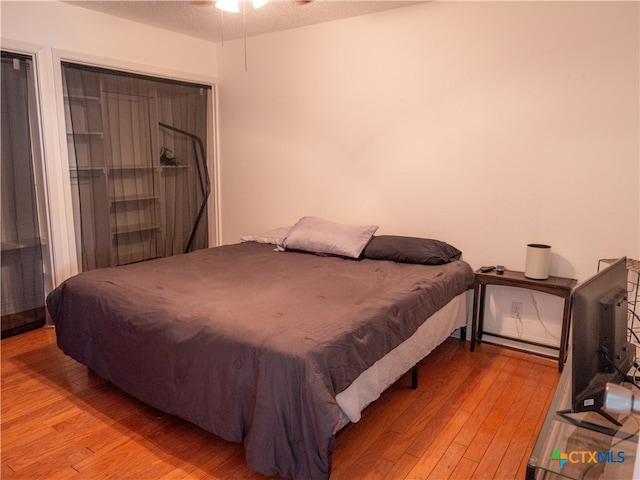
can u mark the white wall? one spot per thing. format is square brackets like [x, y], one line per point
[488, 125]
[53, 30]
[59, 25]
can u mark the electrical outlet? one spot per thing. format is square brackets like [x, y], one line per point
[516, 309]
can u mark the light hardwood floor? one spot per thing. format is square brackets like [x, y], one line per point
[474, 415]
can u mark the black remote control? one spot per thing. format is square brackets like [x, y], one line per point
[487, 269]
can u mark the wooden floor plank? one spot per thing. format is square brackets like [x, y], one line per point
[59, 420]
[465, 469]
[438, 447]
[367, 464]
[402, 467]
[550, 392]
[505, 433]
[435, 393]
[520, 445]
[448, 462]
[478, 448]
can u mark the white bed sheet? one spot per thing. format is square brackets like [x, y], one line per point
[377, 378]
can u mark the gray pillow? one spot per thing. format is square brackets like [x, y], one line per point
[312, 234]
[411, 250]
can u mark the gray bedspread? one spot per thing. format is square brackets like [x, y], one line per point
[248, 343]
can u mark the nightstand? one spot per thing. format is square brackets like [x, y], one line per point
[558, 286]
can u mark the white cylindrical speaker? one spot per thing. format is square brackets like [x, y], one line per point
[538, 261]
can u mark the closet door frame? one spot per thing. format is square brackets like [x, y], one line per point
[66, 241]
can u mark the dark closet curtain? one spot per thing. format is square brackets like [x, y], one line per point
[138, 165]
[22, 258]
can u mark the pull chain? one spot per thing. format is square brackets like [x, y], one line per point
[244, 32]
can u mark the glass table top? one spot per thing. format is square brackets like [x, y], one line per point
[583, 445]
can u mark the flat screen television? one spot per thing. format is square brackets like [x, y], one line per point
[601, 352]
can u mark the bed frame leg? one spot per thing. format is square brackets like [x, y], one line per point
[414, 370]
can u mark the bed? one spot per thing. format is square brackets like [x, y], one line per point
[274, 349]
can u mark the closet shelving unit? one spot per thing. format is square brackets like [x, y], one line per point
[125, 188]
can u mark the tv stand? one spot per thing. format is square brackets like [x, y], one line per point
[580, 445]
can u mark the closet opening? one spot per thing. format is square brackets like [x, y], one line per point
[138, 164]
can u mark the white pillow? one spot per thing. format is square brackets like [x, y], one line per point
[275, 236]
[312, 234]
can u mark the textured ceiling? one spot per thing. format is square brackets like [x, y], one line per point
[200, 19]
